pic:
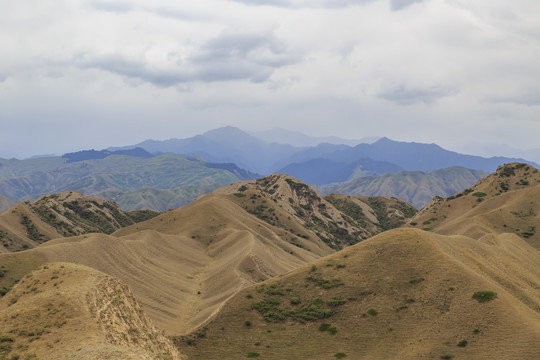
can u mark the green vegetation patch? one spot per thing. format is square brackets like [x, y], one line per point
[484, 296]
[479, 194]
[324, 283]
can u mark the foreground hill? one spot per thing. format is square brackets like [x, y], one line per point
[506, 201]
[415, 187]
[404, 294]
[68, 311]
[59, 215]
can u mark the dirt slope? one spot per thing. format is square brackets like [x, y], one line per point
[66, 214]
[403, 294]
[68, 311]
[507, 201]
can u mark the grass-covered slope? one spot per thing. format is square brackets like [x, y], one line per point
[414, 187]
[404, 294]
[19, 179]
[506, 201]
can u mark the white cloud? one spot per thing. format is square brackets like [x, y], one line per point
[343, 67]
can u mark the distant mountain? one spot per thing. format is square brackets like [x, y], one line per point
[324, 171]
[232, 145]
[6, 203]
[415, 187]
[282, 136]
[224, 145]
[93, 154]
[416, 156]
[28, 179]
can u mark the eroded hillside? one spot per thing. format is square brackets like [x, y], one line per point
[68, 311]
[70, 213]
[507, 201]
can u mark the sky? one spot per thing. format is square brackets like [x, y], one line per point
[81, 74]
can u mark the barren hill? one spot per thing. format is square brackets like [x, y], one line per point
[403, 294]
[507, 201]
[68, 311]
[66, 214]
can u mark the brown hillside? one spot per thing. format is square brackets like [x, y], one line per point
[404, 294]
[66, 214]
[507, 201]
[67, 311]
[286, 202]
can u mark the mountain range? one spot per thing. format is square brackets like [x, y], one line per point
[270, 269]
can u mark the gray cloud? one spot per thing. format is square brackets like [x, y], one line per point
[110, 6]
[396, 5]
[403, 95]
[532, 99]
[224, 58]
[402, 4]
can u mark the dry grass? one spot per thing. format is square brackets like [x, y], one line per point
[388, 316]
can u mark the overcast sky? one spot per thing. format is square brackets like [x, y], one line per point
[79, 74]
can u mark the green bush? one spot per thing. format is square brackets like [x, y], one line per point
[340, 355]
[253, 354]
[372, 312]
[462, 343]
[484, 296]
[479, 194]
[295, 300]
[446, 356]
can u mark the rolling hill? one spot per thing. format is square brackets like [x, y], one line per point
[403, 294]
[505, 201]
[415, 187]
[184, 264]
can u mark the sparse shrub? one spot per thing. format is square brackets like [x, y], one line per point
[340, 355]
[324, 327]
[446, 356]
[239, 195]
[295, 300]
[416, 281]
[413, 223]
[372, 312]
[253, 354]
[248, 322]
[336, 301]
[479, 194]
[476, 331]
[249, 296]
[462, 343]
[484, 296]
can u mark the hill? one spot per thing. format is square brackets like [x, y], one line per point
[323, 171]
[24, 179]
[415, 187]
[506, 201]
[59, 215]
[404, 294]
[68, 311]
[184, 264]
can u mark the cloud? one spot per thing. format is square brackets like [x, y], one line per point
[403, 95]
[395, 5]
[532, 99]
[227, 57]
[402, 4]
